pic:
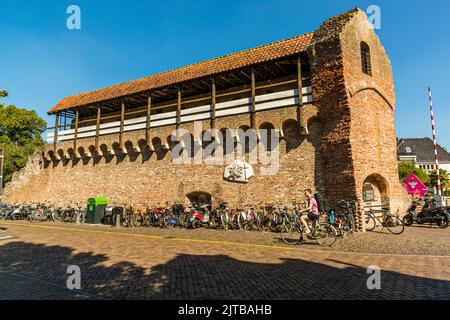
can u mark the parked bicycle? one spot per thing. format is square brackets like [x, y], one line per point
[344, 218]
[389, 221]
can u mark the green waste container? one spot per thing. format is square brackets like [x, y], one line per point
[96, 210]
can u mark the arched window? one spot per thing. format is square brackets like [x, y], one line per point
[269, 130]
[365, 59]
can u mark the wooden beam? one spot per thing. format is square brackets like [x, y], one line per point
[97, 132]
[179, 108]
[147, 127]
[122, 121]
[205, 83]
[55, 134]
[257, 73]
[75, 135]
[197, 86]
[270, 71]
[300, 109]
[156, 95]
[280, 67]
[237, 78]
[227, 81]
[213, 103]
[245, 74]
[253, 108]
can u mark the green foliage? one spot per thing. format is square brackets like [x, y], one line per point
[406, 168]
[445, 179]
[20, 135]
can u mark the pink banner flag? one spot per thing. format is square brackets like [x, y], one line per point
[414, 186]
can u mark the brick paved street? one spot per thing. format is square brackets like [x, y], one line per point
[33, 288]
[125, 264]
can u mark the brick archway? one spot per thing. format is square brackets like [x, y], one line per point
[199, 197]
[376, 190]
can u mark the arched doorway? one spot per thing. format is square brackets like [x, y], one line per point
[375, 191]
[199, 198]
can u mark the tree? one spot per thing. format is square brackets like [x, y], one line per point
[406, 168]
[20, 136]
[445, 179]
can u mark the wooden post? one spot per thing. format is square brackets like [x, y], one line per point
[147, 127]
[253, 108]
[300, 109]
[179, 108]
[122, 121]
[97, 133]
[55, 135]
[213, 103]
[75, 135]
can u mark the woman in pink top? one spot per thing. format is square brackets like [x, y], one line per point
[313, 210]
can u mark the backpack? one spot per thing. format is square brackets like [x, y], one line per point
[322, 204]
[332, 217]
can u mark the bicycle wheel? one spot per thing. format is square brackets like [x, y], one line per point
[260, 222]
[371, 223]
[242, 223]
[351, 224]
[325, 235]
[395, 225]
[129, 221]
[291, 234]
[181, 220]
[224, 220]
[442, 222]
[56, 215]
[138, 220]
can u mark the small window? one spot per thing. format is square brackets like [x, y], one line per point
[365, 59]
[408, 150]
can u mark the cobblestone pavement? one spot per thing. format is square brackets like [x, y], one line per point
[14, 286]
[123, 264]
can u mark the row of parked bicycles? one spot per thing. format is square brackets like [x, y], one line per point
[338, 222]
[40, 212]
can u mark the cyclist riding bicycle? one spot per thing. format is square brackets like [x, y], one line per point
[312, 210]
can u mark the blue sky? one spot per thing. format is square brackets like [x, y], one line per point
[41, 61]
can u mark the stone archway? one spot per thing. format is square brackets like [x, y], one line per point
[199, 197]
[375, 190]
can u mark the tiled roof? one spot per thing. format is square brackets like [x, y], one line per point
[423, 149]
[269, 52]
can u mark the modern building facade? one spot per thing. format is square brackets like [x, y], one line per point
[328, 95]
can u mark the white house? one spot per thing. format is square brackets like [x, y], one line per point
[420, 151]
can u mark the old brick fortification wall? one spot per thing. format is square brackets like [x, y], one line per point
[151, 178]
[351, 141]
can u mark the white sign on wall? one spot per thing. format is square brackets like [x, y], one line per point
[238, 171]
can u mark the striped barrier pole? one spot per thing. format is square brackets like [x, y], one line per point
[433, 126]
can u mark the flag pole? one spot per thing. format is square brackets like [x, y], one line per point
[433, 127]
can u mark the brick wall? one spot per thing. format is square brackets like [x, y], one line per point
[371, 100]
[151, 178]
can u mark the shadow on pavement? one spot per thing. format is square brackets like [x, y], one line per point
[213, 277]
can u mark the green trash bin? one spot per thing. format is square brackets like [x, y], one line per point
[96, 210]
